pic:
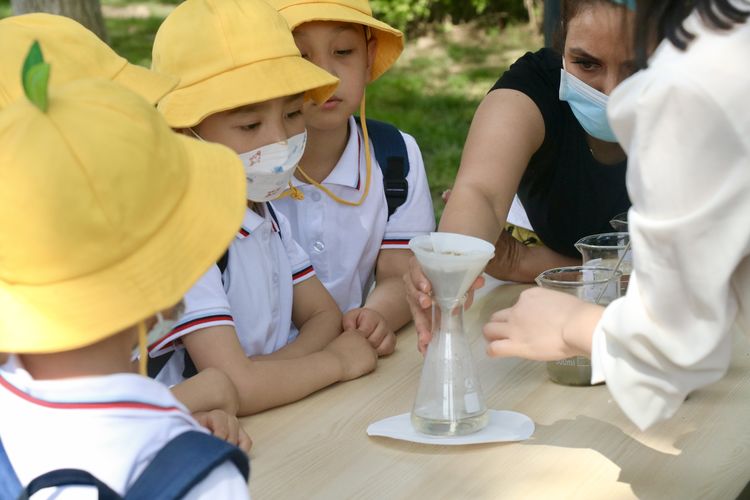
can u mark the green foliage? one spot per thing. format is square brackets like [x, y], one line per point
[411, 15]
[401, 13]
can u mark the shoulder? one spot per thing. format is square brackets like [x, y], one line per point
[533, 69]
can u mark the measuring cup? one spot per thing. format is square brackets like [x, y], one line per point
[605, 250]
[587, 283]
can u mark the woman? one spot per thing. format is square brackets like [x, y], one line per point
[558, 155]
[685, 122]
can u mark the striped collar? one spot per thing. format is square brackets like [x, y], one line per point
[252, 220]
[120, 391]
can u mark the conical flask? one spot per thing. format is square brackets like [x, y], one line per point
[449, 401]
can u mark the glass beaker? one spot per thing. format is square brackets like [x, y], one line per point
[589, 284]
[620, 222]
[605, 250]
[449, 400]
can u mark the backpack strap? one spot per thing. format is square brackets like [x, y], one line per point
[390, 151]
[222, 263]
[184, 462]
[10, 485]
[69, 477]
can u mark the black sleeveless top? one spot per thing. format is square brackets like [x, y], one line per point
[566, 193]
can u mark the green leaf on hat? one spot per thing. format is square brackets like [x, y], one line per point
[35, 77]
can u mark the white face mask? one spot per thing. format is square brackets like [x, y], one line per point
[269, 169]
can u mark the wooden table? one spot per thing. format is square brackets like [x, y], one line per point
[583, 446]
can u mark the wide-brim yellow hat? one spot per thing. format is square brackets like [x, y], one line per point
[390, 40]
[75, 53]
[227, 54]
[109, 215]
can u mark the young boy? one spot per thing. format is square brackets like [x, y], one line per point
[242, 84]
[113, 218]
[345, 221]
[75, 53]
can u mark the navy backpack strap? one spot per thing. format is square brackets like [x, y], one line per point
[390, 151]
[222, 263]
[184, 462]
[70, 477]
[10, 486]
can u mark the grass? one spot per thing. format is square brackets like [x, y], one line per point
[431, 92]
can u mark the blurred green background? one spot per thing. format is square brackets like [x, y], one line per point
[455, 51]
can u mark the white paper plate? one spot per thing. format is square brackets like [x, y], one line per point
[503, 426]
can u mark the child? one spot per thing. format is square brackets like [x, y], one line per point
[113, 219]
[242, 83]
[74, 52]
[346, 221]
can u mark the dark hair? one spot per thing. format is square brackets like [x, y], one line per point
[568, 10]
[660, 19]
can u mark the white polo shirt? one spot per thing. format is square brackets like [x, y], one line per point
[254, 295]
[111, 426]
[342, 241]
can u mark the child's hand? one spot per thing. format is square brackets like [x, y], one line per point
[354, 353]
[225, 426]
[373, 325]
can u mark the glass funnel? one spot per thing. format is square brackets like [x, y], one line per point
[449, 400]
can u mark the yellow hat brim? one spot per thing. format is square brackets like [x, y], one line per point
[148, 84]
[78, 312]
[253, 83]
[390, 40]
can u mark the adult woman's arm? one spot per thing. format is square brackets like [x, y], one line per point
[506, 131]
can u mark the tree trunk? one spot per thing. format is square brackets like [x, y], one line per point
[86, 12]
[531, 9]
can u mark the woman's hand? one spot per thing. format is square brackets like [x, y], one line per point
[544, 325]
[419, 296]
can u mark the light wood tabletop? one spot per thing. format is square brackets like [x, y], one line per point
[583, 446]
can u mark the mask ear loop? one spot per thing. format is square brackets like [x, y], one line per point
[142, 349]
[368, 166]
[293, 192]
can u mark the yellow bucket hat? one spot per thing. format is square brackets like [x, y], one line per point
[229, 53]
[109, 215]
[75, 53]
[390, 40]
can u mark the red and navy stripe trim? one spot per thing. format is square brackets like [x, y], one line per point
[396, 241]
[244, 232]
[303, 273]
[108, 405]
[192, 324]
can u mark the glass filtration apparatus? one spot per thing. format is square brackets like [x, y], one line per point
[449, 401]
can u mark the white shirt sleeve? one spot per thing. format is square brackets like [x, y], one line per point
[223, 482]
[689, 179]
[416, 215]
[206, 304]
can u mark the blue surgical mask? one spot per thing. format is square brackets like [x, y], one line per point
[589, 106]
